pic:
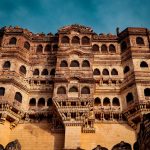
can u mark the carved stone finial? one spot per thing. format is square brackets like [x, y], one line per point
[122, 146]
[99, 147]
[14, 145]
[1, 147]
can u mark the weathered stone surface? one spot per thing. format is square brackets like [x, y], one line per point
[122, 146]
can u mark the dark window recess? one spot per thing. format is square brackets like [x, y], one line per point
[18, 97]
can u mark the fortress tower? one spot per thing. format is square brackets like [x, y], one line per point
[74, 89]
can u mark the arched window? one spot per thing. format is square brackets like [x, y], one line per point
[126, 69]
[65, 39]
[23, 69]
[96, 72]
[129, 98]
[39, 49]
[139, 40]
[143, 64]
[95, 48]
[74, 63]
[6, 65]
[55, 47]
[47, 48]
[147, 92]
[85, 90]
[26, 45]
[104, 49]
[112, 48]
[105, 72]
[61, 90]
[18, 97]
[115, 101]
[41, 102]
[106, 101]
[32, 102]
[85, 40]
[75, 40]
[73, 89]
[44, 72]
[13, 41]
[85, 63]
[52, 73]
[36, 72]
[97, 101]
[2, 91]
[50, 102]
[123, 46]
[63, 63]
[114, 72]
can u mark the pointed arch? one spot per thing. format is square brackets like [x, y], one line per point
[140, 41]
[95, 48]
[41, 102]
[39, 49]
[36, 72]
[18, 97]
[112, 48]
[47, 48]
[73, 89]
[65, 40]
[13, 41]
[85, 63]
[104, 49]
[105, 72]
[32, 102]
[2, 91]
[6, 65]
[114, 72]
[44, 72]
[23, 70]
[96, 72]
[27, 45]
[143, 64]
[61, 90]
[74, 63]
[85, 90]
[75, 40]
[63, 63]
[85, 40]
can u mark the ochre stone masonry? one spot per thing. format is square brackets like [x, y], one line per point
[75, 89]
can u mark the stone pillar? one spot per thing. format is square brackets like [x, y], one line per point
[72, 137]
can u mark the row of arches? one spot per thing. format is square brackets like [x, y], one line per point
[39, 48]
[97, 72]
[44, 72]
[107, 102]
[143, 64]
[17, 97]
[75, 63]
[139, 41]
[104, 48]
[75, 40]
[84, 90]
[41, 102]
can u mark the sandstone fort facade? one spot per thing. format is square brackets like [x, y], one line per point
[74, 89]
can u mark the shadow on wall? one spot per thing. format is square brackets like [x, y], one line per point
[14, 145]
